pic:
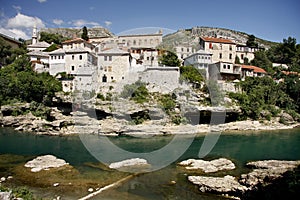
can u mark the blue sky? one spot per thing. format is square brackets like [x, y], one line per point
[271, 20]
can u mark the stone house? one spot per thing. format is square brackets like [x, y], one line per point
[39, 61]
[145, 56]
[184, 51]
[222, 50]
[113, 64]
[201, 60]
[251, 71]
[225, 71]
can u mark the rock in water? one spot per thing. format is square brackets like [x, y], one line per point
[223, 185]
[208, 166]
[129, 163]
[266, 171]
[44, 163]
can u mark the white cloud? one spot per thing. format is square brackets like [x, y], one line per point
[42, 1]
[108, 23]
[58, 21]
[24, 21]
[14, 33]
[81, 22]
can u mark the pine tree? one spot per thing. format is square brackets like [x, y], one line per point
[84, 34]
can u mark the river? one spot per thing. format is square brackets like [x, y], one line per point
[240, 147]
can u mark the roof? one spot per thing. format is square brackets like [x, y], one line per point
[78, 50]
[57, 51]
[114, 51]
[200, 52]
[10, 38]
[254, 68]
[217, 40]
[42, 44]
[38, 53]
[75, 40]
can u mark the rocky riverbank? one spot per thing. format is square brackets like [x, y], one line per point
[101, 121]
[263, 174]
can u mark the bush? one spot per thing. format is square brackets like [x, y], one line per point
[136, 91]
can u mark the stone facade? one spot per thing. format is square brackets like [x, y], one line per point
[243, 52]
[184, 51]
[222, 50]
[113, 65]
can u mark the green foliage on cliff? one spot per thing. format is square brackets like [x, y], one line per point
[18, 81]
[52, 38]
[169, 59]
[191, 74]
[261, 94]
[136, 91]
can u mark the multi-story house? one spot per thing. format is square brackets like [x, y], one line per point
[57, 61]
[243, 52]
[225, 71]
[201, 60]
[222, 50]
[113, 64]
[145, 56]
[184, 51]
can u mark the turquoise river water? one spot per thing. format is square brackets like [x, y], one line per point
[240, 147]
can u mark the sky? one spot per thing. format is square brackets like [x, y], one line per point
[272, 20]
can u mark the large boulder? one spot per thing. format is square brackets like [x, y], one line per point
[208, 166]
[45, 162]
[223, 185]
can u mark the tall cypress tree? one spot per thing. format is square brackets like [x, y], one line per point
[84, 34]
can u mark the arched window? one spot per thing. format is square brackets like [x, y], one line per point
[72, 68]
[80, 57]
[104, 78]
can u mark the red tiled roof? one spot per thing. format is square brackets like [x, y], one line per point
[217, 40]
[290, 73]
[254, 68]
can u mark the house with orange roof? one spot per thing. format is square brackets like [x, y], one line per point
[222, 50]
[252, 71]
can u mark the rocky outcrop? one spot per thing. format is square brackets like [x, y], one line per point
[223, 185]
[208, 166]
[44, 163]
[266, 171]
[134, 162]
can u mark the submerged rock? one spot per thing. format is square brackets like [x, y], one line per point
[44, 163]
[208, 166]
[129, 163]
[223, 185]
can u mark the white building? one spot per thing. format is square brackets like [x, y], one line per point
[39, 61]
[225, 71]
[243, 52]
[57, 62]
[113, 64]
[184, 51]
[200, 60]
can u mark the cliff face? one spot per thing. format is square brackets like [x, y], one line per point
[190, 36]
[76, 32]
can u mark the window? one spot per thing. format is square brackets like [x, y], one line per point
[230, 56]
[112, 78]
[188, 50]
[228, 66]
[55, 57]
[62, 57]
[182, 50]
[134, 42]
[109, 68]
[230, 48]
[72, 68]
[224, 66]
[79, 65]
[221, 46]
[72, 57]
[210, 45]
[105, 58]
[104, 78]
[242, 56]
[148, 58]
[51, 57]
[110, 58]
[80, 57]
[220, 56]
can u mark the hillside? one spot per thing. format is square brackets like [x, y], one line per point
[191, 37]
[71, 32]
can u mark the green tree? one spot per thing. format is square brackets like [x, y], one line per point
[192, 75]
[283, 52]
[169, 59]
[84, 34]
[261, 60]
[237, 60]
[52, 38]
[251, 42]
